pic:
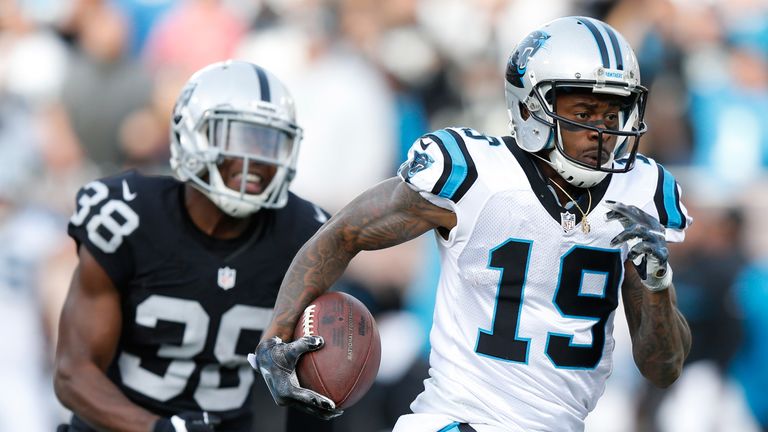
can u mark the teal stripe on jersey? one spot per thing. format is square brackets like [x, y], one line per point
[450, 428]
[670, 200]
[458, 165]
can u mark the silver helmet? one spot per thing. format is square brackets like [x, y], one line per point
[575, 53]
[235, 109]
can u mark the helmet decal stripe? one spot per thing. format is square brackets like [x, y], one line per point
[616, 47]
[263, 84]
[599, 39]
[667, 200]
[462, 168]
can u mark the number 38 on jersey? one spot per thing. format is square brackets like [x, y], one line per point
[111, 223]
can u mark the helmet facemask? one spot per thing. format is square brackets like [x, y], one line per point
[618, 157]
[575, 54]
[234, 137]
[226, 136]
[610, 157]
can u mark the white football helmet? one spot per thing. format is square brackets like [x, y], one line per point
[235, 109]
[568, 53]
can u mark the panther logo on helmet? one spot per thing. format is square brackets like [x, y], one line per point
[518, 61]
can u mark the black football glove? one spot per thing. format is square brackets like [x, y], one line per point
[276, 362]
[648, 245]
[188, 421]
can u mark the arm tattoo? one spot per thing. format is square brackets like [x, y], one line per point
[386, 215]
[661, 338]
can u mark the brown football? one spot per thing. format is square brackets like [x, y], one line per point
[346, 366]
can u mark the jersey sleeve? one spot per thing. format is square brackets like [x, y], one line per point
[668, 205]
[439, 167]
[103, 223]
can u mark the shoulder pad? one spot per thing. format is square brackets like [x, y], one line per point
[103, 216]
[663, 193]
[440, 164]
[672, 213]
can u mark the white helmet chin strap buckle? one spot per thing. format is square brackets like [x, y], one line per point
[192, 163]
[212, 155]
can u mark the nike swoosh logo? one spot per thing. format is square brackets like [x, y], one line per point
[424, 146]
[320, 216]
[127, 194]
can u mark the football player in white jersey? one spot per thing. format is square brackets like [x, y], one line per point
[537, 232]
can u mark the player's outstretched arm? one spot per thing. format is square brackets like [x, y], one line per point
[89, 331]
[660, 335]
[388, 214]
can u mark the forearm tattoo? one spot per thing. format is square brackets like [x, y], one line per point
[661, 338]
[384, 216]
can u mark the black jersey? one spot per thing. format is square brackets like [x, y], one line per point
[193, 306]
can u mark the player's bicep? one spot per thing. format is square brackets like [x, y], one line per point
[388, 214]
[90, 323]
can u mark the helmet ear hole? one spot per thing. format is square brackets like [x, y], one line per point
[524, 113]
[549, 97]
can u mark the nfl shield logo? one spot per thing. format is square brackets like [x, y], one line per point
[567, 220]
[226, 278]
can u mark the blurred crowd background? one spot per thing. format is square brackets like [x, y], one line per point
[87, 87]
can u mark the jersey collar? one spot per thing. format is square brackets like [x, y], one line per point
[540, 186]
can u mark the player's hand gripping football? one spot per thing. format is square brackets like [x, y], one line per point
[189, 421]
[648, 245]
[276, 361]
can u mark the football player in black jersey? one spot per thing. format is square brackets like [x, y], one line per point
[177, 277]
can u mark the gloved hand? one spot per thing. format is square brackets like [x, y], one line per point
[188, 421]
[648, 246]
[276, 361]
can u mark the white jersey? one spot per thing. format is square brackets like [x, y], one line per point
[523, 321]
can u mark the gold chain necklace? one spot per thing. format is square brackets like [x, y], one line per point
[584, 223]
